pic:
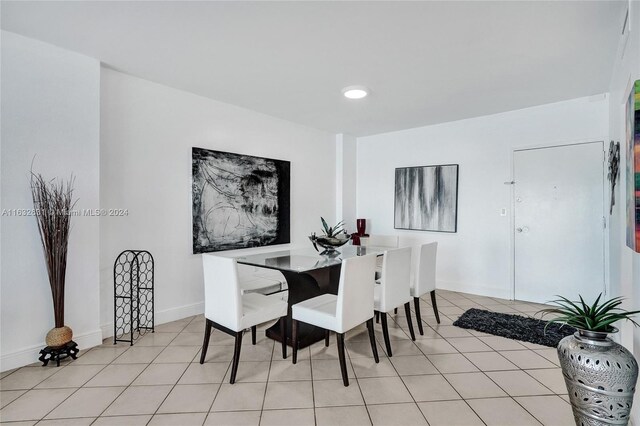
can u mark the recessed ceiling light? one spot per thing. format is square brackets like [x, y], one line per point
[355, 92]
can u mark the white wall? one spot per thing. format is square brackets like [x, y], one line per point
[625, 264]
[346, 159]
[476, 259]
[146, 137]
[50, 110]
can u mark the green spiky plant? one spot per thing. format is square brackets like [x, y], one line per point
[332, 232]
[598, 317]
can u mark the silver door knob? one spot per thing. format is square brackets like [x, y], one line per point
[523, 229]
[519, 229]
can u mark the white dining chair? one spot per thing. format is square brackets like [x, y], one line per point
[228, 310]
[384, 241]
[352, 306]
[424, 281]
[390, 241]
[393, 289]
[264, 281]
[260, 280]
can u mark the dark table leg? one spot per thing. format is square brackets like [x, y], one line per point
[303, 286]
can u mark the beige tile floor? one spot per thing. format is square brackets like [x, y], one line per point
[449, 376]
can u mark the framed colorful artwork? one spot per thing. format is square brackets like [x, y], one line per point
[633, 167]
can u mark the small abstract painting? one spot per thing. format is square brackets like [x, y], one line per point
[426, 198]
[633, 167]
[239, 201]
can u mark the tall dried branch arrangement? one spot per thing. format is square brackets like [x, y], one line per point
[52, 201]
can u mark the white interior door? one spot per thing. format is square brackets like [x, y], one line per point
[559, 222]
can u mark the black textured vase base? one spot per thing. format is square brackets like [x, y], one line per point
[56, 354]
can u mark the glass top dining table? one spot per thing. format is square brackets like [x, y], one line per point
[308, 274]
[305, 259]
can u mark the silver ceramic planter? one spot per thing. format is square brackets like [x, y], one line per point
[600, 376]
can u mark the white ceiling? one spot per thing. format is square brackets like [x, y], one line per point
[425, 62]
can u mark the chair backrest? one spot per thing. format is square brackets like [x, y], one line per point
[222, 299]
[425, 280]
[380, 241]
[355, 293]
[396, 278]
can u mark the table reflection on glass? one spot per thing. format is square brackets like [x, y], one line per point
[308, 275]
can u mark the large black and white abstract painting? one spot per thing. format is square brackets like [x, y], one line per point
[426, 198]
[239, 201]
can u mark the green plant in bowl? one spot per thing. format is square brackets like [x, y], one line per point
[332, 232]
[593, 321]
[330, 241]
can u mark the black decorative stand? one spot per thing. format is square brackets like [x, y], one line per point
[133, 304]
[56, 354]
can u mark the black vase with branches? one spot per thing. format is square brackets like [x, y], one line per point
[53, 203]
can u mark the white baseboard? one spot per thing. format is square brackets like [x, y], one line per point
[179, 312]
[107, 330]
[167, 315]
[479, 290]
[29, 355]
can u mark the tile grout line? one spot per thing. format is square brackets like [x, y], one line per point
[313, 394]
[139, 374]
[518, 368]
[266, 385]
[219, 387]
[525, 409]
[487, 376]
[79, 387]
[181, 375]
[463, 399]
[405, 385]
[396, 321]
[72, 393]
[82, 386]
[63, 401]
[355, 376]
[507, 393]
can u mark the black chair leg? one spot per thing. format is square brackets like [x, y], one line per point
[253, 335]
[326, 338]
[435, 305]
[377, 317]
[205, 343]
[407, 312]
[343, 362]
[236, 357]
[372, 339]
[283, 330]
[385, 332]
[416, 304]
[294, 339]
[395, 311]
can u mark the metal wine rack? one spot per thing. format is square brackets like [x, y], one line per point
[133, 304]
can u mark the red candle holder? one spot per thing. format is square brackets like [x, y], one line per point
[361, 227]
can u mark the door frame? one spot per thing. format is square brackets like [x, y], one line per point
[605, 210]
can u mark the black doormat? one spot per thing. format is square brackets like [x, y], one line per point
[514, 327]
